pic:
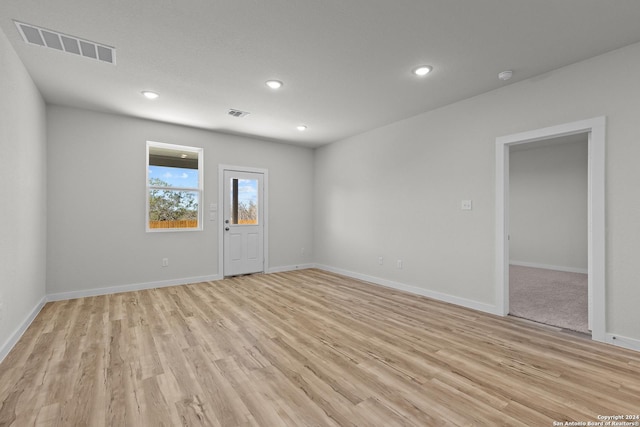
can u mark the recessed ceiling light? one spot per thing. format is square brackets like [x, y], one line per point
[422, 70]
[150, 95]
[301, 128]
[274, 84]
[183, 156]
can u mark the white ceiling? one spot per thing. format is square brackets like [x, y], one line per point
[346, 64]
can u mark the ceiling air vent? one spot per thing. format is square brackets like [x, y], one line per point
[65, 43]
[237, 113]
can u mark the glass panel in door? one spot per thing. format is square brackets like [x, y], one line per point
[244, 201]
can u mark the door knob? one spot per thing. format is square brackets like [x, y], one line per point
[226, 228]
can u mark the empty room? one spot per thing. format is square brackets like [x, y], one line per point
[336, 213]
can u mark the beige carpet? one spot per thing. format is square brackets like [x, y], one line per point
[551, 297]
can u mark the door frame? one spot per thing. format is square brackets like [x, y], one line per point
[265, 214]
[595, 128]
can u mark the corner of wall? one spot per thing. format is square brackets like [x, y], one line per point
[23, 227]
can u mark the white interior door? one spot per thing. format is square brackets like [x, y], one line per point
[243, 222]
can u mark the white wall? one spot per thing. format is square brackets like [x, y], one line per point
[96, 179]
[548, 204]
[396, 191]
[22, 197]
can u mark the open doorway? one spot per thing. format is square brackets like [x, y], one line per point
[548, 244]
[595, 129]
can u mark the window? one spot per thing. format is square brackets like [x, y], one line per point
[244, 201]
[174, 187]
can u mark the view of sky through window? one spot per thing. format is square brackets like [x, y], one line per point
[248, 191]
[175, 177]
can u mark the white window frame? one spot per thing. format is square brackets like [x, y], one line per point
[200, 190]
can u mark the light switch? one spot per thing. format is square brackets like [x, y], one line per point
[212, 216]
[466, 205]
[213, 207]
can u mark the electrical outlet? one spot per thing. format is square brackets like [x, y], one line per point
[165, 262]
[399, 264]
[380, 260]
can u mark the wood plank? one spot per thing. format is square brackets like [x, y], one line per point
[302, 348]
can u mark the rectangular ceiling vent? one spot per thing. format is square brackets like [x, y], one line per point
[236, 113]
[66, 43]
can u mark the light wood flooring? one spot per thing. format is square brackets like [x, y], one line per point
[302, 348]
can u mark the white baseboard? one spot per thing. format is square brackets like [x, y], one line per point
[63, 296]
[128, 288]
[617, 340]
[475, 305]
[549, 267]
[289, 268]
[15, 336]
